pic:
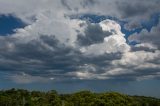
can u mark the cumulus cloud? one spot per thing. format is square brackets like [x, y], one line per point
[49, 58]
[55, 47]
[137, 60]
[113, 43]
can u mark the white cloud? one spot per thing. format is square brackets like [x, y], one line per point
[136, 58]
[147, 45]
[111, 44]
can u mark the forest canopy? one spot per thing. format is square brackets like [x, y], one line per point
[20, 97]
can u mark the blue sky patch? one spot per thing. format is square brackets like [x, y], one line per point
[8, 23]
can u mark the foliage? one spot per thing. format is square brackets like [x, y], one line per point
[20, 97]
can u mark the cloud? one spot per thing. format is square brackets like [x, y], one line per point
[145, 11]
[145, 8]
[93, 34]
[52, 57]
[151, 37]
[113, 43]
[26, 10]
[25, 79]
[136, 58]
[55, 47]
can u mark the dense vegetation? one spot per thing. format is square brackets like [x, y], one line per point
[19, 97]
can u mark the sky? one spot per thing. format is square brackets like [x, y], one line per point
[66, 45]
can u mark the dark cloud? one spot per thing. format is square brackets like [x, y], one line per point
[130, 9]
[148, 37]
[137, 12]
[46, 57]
[136, 8]
[65, 4]
[83, 3]
[92, 34]
[87, 3]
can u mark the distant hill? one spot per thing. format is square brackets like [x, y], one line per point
[20, 97]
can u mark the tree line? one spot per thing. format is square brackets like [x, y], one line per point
[20, 97]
